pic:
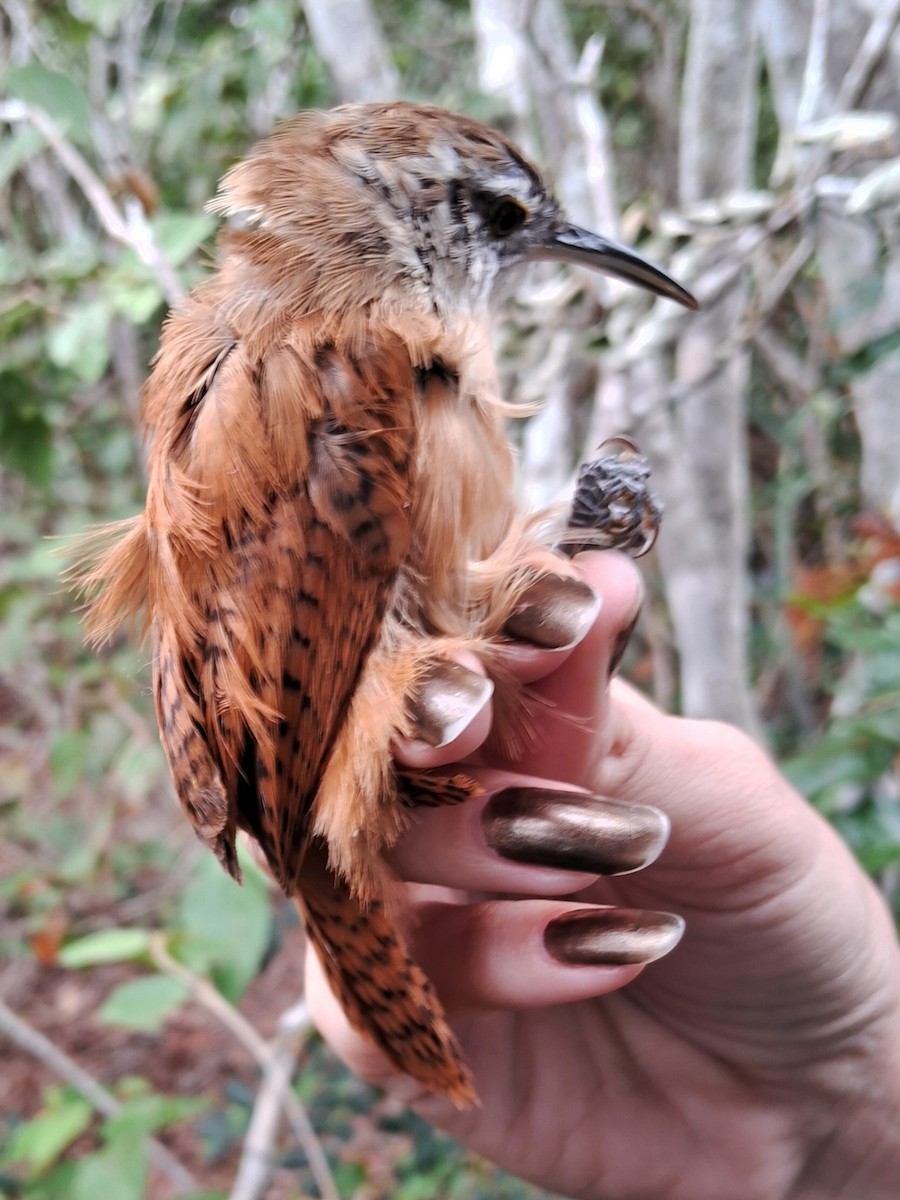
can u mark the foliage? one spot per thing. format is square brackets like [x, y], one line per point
[117, 1162]
[159, 98]
[849, 771]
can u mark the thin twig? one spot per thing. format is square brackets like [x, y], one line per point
[774, 289]
[797, 376]
[29, 1039]
[663, 325]
[29, 35]
[256, 1165]
[814, 68]
[270, 1057]
[874, 44]
[168, 26]
[134, 233]
[211, 999]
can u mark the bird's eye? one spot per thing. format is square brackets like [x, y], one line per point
[506, 216]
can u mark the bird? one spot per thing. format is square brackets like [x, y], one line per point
[331, 513]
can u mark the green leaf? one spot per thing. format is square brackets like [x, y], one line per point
[147, 1112]
[272, 21]
[136, 303]
[25, 431]
[144, 1003]
[68, 759]
[57, 95]
[350, 1177]
[16, 149]
[12, 271]
[222, 1129]
[81, 342]
[140, 769]
[179, 234]
[70, 261]
[26, 446]
[820, 774]
[117, 1171]
[40, 1141]
[866, 357]
[55, 1186]
[105, 946]
[40, 563]
[227, 928]
[79, 864]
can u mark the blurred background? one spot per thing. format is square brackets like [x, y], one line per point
[151, 1012]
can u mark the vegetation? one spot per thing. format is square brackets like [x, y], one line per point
[148, 1008]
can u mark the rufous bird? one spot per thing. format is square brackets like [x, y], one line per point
[331, 512]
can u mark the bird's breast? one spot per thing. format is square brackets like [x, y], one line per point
[464, 499]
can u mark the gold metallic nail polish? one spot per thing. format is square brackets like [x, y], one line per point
[446, 701]
[612, 936]
[555, 612]
[573, 831]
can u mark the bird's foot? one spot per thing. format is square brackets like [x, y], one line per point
[613, 507]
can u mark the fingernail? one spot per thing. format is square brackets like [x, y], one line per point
[620, 645]
[554, 612]
[573, 831]
[612, 936]
[446, 701]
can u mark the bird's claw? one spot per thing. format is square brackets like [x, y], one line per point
[613, 507]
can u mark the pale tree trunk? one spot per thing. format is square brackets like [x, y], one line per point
[526, 59]
[348, 36]
[852, 259]
[704, 542]
[854, 253]
[823, 60]
[504, 62]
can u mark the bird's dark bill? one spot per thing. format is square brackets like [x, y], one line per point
[575, 245]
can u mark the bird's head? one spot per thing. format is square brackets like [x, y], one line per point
[372, 198]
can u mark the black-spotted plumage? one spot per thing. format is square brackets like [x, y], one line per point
[330, 511]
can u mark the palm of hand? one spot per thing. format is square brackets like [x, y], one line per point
[698, 1069]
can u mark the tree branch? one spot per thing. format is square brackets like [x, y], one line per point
[56, 1060]
[255, 1169]
[348, 36]
[878, 35]
[135, 233]
[276, 1061]
[814, 70]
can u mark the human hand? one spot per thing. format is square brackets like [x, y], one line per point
[758, 1061]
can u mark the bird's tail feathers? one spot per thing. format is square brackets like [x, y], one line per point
[384, 994]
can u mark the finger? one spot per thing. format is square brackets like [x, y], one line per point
[693, 769]
[553, 617]
[578, 622]
[580, 682]
[451, 712]
[536, 953]
[508, 954]
[527, 836]
[571, 734]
